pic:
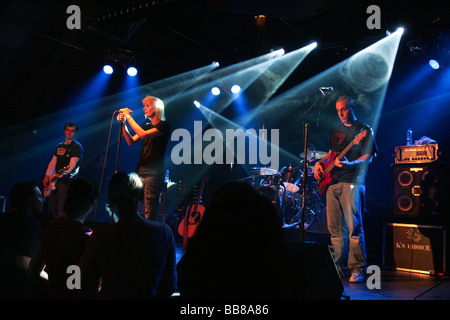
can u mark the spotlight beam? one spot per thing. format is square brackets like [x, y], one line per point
[231, 69]
[279, 67]
[222, 124]
[96, 125]
[364, 75]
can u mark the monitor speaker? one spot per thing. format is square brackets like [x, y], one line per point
[313, 274]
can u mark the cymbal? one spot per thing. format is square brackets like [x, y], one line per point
[317, 155]
[263, 171]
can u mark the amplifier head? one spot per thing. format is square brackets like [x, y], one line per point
[425, 153]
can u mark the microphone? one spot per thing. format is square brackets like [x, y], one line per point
[119, 111]
[325, 89]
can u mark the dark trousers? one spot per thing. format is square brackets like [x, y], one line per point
[57, 199]
[152, 189]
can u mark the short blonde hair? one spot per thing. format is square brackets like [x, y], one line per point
[158, 103]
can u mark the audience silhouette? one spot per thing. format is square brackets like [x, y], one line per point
[19, 233]
[238, 250]
[135, 258]
[63, 241]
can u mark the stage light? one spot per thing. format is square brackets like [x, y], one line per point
[235, 89]
[108, 69]
[280, 52]
[197, 104]
[434, 64]
[399, 30]
[132, 71]
[215, 91]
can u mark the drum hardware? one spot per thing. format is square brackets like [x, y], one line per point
[289, 205]
[263, 171]
[314, 206]
[291, 176]
[283, 188]
[313, 155]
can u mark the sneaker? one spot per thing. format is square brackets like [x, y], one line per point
[357, 277]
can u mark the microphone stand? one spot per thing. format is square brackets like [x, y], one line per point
[118, 145]
[305, 165]
[117, 158]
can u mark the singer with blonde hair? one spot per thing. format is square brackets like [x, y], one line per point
[154, 135]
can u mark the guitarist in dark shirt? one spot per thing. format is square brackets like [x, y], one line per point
[62, 169]
[341, 175]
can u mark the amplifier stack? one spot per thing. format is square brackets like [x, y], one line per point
[417, 239]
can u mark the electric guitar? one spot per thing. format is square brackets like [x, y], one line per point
[325, 180]
[53, 179]
[193, 216]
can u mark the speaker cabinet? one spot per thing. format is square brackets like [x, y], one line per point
[420, 193]
[415, 248]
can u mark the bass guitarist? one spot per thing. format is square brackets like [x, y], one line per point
[346, 190]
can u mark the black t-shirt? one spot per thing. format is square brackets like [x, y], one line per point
[340, 137]
[64, 152]
[151, 160]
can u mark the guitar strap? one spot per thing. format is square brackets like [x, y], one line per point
[360, 127]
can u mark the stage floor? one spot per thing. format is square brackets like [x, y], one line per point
[400, 285]
[394, 285]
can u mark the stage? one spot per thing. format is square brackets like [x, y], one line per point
[248, 91]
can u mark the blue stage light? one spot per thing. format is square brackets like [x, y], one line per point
[108, 69]
[132, 71]
[434, 64]
[215, 91]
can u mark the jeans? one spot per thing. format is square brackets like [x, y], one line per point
[57, 200]
[153, 186]
[345, 207]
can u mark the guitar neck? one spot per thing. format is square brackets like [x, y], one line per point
[199, 195]
[340, 156]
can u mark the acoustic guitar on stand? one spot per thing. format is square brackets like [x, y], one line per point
[193, 216]
[326, 178]
[53, 180]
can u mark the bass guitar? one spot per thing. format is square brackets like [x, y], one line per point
[326, 179]
[52, 181]
[193, 216]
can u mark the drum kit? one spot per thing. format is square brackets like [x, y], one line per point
[284, 189]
